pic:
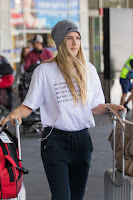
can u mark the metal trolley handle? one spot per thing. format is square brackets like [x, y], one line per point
[18, 137]
[116, 118]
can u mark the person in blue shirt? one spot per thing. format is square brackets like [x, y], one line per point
[125, 81]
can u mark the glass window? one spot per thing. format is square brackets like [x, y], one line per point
[17, 45]
[16, 14]
[30, 17]
[42, 14]
[93, 4]
[95, 42]
[114, 3]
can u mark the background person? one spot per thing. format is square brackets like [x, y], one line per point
[68, 92]
[21, 71]
[24, 52]
[38, 54]
[125, 81]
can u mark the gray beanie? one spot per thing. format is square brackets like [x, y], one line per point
[61, 29]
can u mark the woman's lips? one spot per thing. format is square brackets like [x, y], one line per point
[73, 48]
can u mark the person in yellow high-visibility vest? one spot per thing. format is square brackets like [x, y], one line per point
[125, 81]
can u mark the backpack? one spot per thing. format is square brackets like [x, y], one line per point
[6, 69]
[11, 170]
[32, 67]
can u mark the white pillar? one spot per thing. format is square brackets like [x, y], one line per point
[84, 25]
[5, 28]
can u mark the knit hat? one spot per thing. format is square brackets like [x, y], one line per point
[61, 29]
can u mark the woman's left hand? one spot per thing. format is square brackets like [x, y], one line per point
[116, 108]
[102, 108]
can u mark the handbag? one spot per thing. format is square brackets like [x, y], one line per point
[128, 144]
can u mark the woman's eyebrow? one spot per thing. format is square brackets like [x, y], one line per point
[72, 36]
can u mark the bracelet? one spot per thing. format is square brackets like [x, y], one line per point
[106, 109]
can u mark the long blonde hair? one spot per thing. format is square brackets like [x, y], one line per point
[72, 68]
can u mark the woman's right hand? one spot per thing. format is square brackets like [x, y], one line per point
[21, 112]
[13, 115]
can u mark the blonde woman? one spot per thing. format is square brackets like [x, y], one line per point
[68, 92]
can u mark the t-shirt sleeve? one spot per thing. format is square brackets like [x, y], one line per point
[98, 96]
[35, 95]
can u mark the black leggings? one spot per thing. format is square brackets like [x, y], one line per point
[66, 158]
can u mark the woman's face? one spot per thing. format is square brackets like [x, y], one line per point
[26, 51]
[73, 42]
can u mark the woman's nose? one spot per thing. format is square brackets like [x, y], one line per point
[74, 41]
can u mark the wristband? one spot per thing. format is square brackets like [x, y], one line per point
[106, 110]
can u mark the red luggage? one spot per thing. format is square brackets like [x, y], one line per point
[6, 81]
[11, 170]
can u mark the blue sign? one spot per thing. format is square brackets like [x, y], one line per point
[58, 10]
[46, 12]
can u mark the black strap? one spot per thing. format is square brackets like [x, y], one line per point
[5, 152]
[13, 155]
[3, 128]
[22, 169]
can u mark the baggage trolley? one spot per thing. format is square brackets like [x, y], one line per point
[117, 185]
[22, 193]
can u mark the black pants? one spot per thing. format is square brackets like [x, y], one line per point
[66, 157]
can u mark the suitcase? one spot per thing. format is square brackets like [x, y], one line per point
[22, 193]
[117, 185]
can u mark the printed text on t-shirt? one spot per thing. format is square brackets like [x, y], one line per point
[63, 92]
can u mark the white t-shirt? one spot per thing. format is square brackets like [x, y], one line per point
[49, 91]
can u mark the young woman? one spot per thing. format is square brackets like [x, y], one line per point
[68, 92]
[24, 52]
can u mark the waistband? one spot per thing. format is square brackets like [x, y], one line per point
[66, 132]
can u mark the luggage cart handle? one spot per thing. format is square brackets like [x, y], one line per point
[17, 123]
[122, 114]
[117, 118]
